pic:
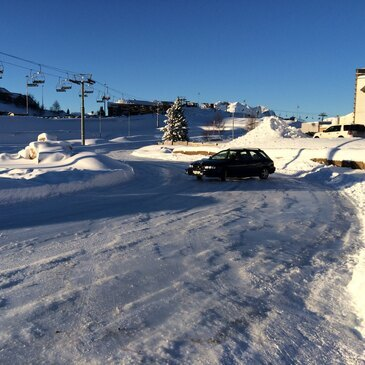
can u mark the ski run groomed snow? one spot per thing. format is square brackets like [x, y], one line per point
[111, 254]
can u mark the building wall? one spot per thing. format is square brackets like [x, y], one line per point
[359, 105]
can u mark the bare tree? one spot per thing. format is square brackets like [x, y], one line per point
[215, 127]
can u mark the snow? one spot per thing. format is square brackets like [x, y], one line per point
[110, 254]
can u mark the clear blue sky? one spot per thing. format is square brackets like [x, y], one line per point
[278, 53]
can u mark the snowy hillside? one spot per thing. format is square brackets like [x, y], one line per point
[111, 254]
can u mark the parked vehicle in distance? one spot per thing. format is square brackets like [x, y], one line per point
[342, 131]
[236, 162]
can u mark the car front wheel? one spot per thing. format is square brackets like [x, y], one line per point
[264, 174]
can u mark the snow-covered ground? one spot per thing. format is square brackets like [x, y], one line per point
[111, 254]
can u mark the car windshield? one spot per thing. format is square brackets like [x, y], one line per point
[220, 155]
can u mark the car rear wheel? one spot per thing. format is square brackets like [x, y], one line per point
[264, 174]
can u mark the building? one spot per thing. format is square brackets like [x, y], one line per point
[134, 107]
[359, 99]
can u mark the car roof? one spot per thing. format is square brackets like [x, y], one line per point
[244, 149]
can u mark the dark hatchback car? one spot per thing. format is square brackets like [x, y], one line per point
[237, 162]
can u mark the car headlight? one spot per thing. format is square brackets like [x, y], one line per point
[209, 167]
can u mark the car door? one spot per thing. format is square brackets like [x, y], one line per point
[258, 162]
[244, 164]
[232, 163]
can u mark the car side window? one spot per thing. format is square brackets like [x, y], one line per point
[244, 156]
[232, 155]
[255, 156]
[335, 128]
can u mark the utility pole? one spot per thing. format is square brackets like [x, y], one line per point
[233, 126]
[26, 99]
[157, 114]
[83, 112]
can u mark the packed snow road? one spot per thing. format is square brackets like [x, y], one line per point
[167, 269]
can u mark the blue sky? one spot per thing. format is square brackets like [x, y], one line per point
[283, 54]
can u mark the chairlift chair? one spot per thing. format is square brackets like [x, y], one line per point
[66, 84]
[59, 87]
[99, 99]
[38, 77]
[88, 89]
[30, 82]
[1, 70]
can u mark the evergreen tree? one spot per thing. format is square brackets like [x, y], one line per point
[176, 128]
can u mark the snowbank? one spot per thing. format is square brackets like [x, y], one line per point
[268, 128]
[47, 167]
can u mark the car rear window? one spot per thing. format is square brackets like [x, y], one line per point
[355, 127]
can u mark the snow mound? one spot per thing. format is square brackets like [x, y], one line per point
[268, 129]
[46, 137]
[47, 151]
[94, 162]
[58, 170]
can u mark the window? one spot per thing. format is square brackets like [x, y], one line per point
[245, 156]
[256, 156]
[220, 155]
[355, 127]
[334, 128]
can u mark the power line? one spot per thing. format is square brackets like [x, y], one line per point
[66, 73]
[40, 64]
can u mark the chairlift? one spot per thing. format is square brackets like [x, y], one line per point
[99, 99]
[76, 79]
[106, 97]
[1, 70]
[66, 84]
[88, 89]
[59, 87]
[30, 82]
[38, 77]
